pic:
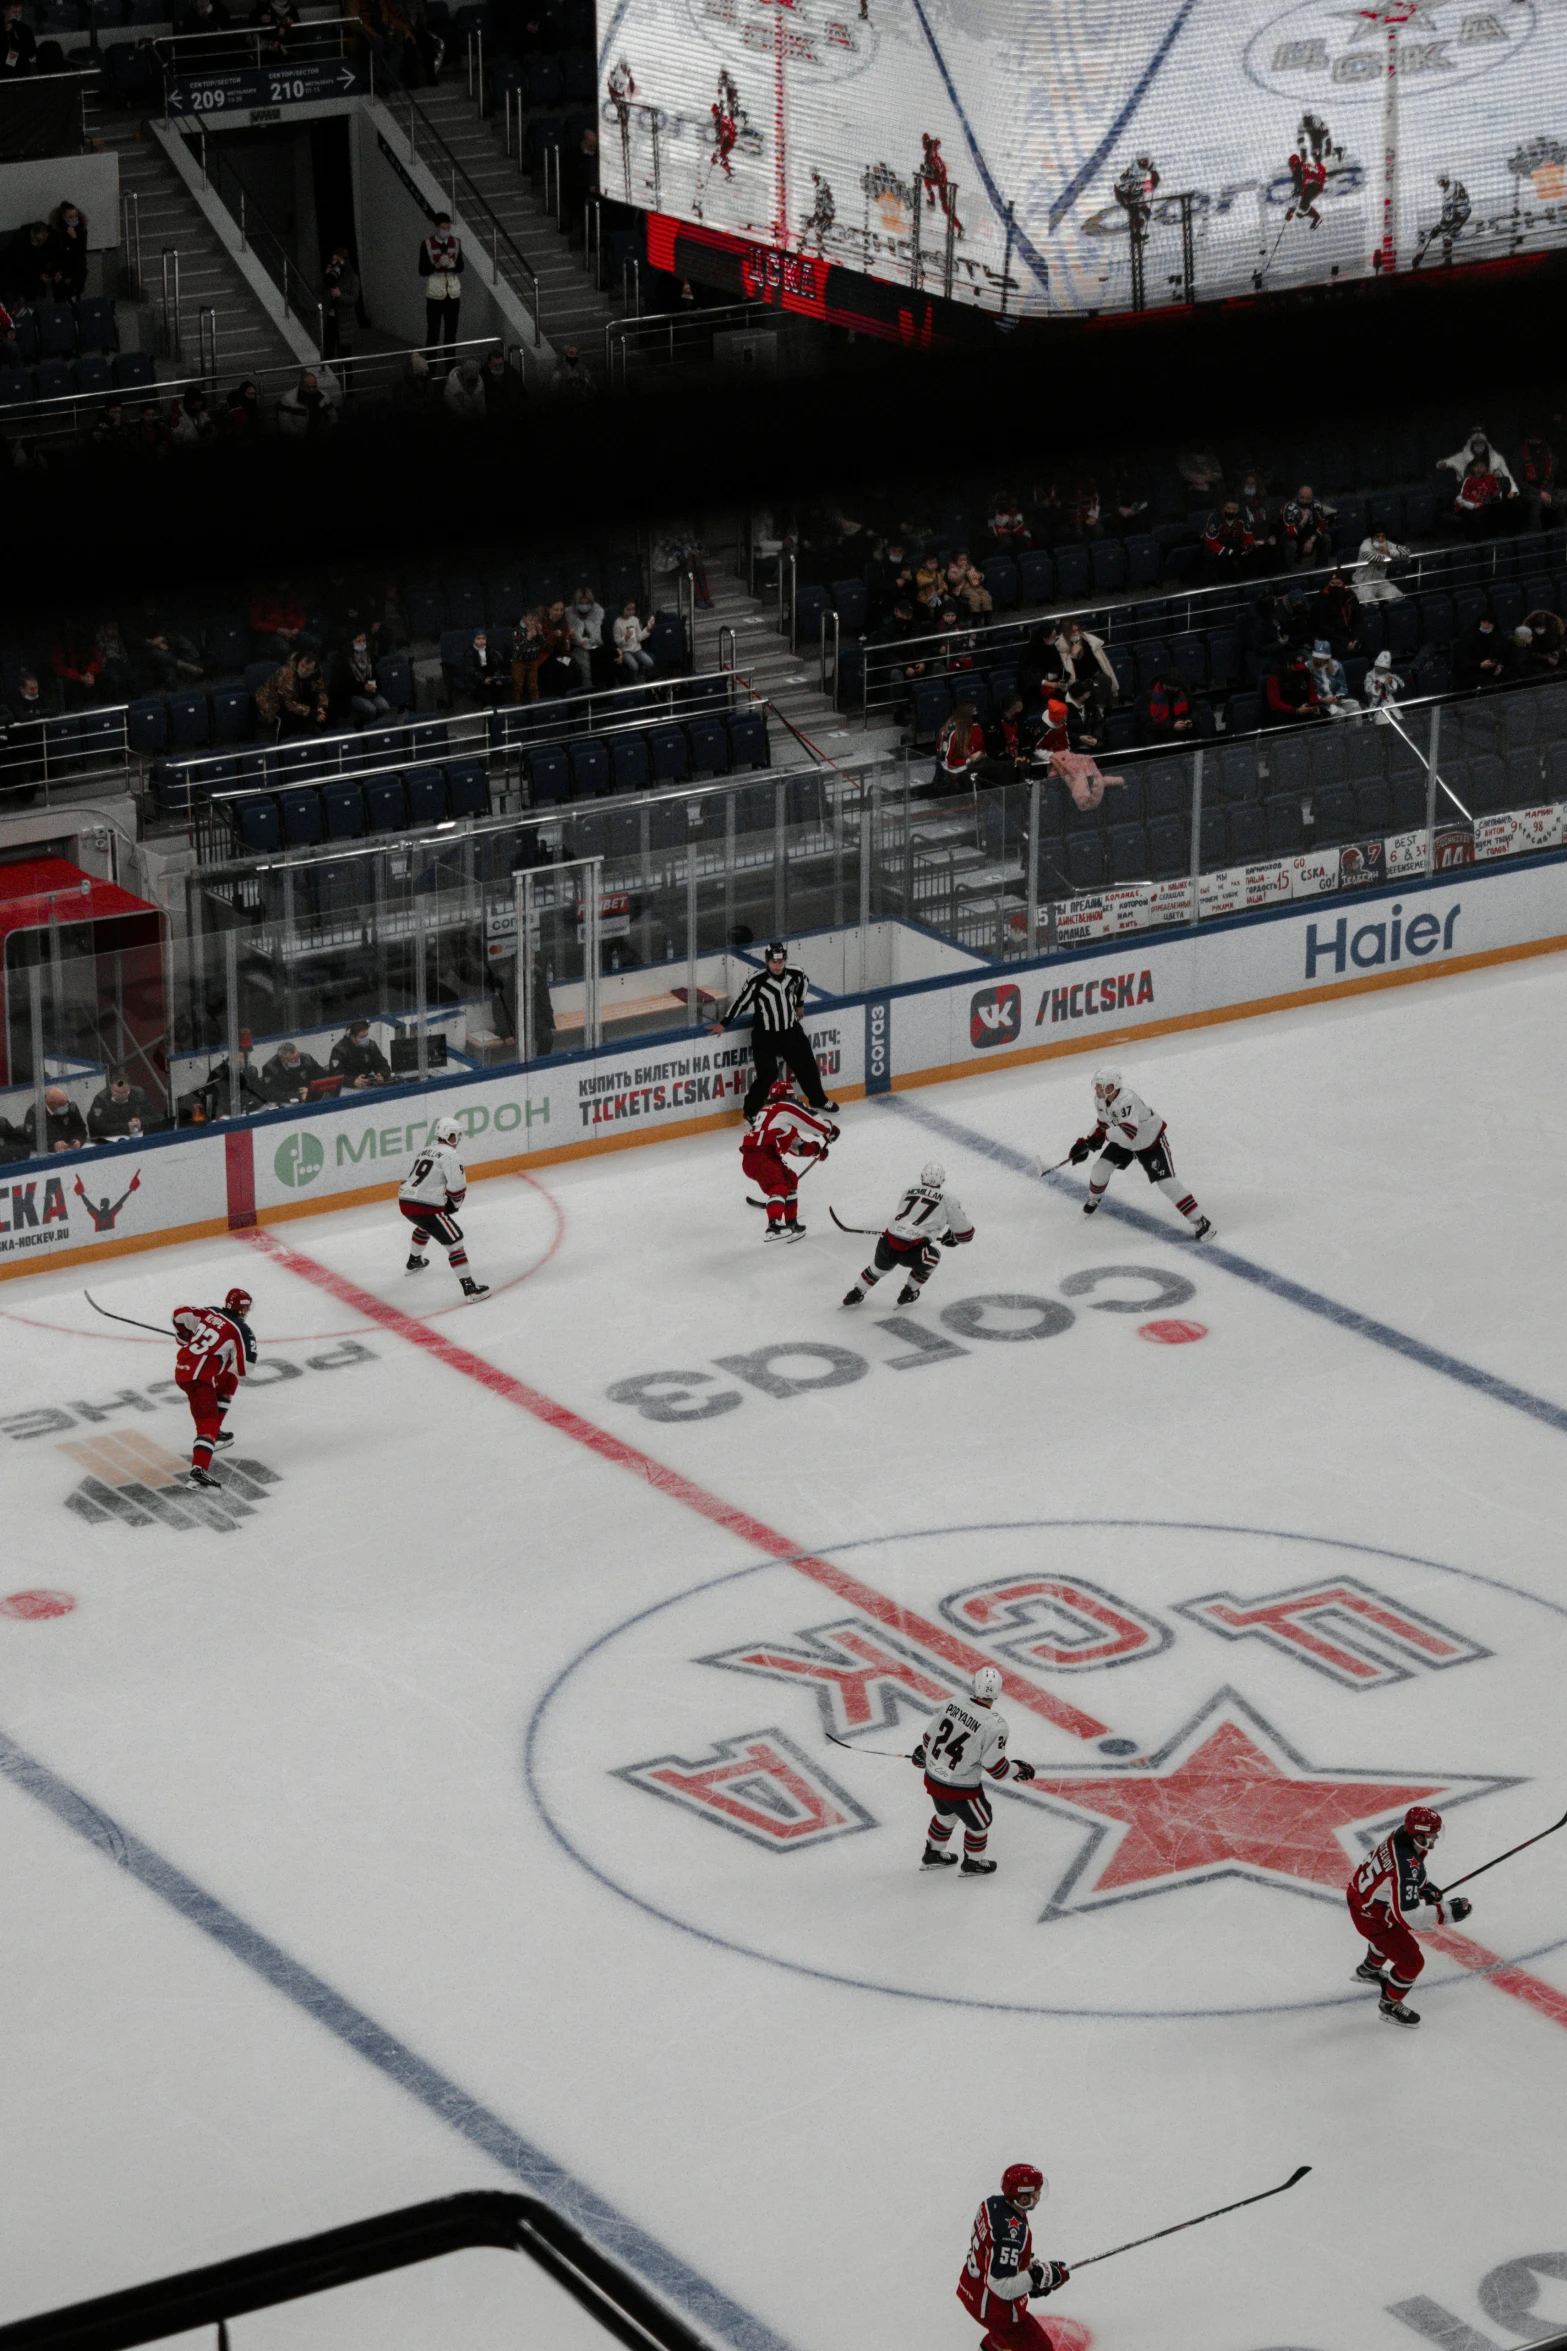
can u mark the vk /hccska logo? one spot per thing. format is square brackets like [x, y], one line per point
[995, 1017]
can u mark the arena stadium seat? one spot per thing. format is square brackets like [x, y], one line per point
[465, 604]
[147, 726]
[1288, 765]
[231, 713]
[92, 375]
[628, 761]
[811, 606]
[1128, 847]
[467, 787]
[424, 608]
[1333, 815]
[748, 744]
[343, 811]
[1286, 833]
[848, 601]
[1000, 574]
[1248, 832]
[1071, 574]
[299, 809]
[1107, 566]
[669, 754]
[1373, 808]
[932, 706]
[190, 721]
[1143, 561]
[256, 823]
[1167, 845]
[590, 770]
[1523, 787]
[386, 805]
[709, 739]
[1036, 577]
[425, 791]
[1085, 863]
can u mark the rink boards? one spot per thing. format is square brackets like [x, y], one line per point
[145, 1193]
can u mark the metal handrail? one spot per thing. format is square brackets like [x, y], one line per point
[130, 242]
[212, 43]
[477, 206]
[256, 233]
[170, 313]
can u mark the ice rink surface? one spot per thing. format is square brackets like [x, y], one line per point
[463, 1814]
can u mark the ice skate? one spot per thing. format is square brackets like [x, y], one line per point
[1397, 2011]
[794, 1232]
[1368, 1972]
[977, 1865]
[854, 1297]
[909, 1295]
[224, 1437]
[200, 1477]
[416, 1263]
[776, 1232]
[1203, 1229]
[1089, 1206]
[473, 1289]
[937, 1857]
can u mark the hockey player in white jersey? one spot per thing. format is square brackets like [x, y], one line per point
[965, 1745]
[1126, 1129]
[435, 1186]
[926, 1214]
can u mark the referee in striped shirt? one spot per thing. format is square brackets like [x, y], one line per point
[771, 1000]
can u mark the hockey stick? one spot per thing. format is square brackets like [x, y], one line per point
[1196, 2222]
[752, 1201]
[1040, 1168]
[156, 1327]
[1507, 1856]
[870, 1230]
[895, 1753]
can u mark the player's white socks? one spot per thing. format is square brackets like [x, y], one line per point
[1185, 1201]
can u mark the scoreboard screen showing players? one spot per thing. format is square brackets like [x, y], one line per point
[1057, 157]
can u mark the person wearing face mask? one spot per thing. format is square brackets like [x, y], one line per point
[1482, 658]
[354, 687]
[1478, 445]
[585, 621]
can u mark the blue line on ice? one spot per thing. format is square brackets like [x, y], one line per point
[528, 2165]
[1277, 1285]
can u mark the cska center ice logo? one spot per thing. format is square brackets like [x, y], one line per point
[1223, 1721]
[1324, 50]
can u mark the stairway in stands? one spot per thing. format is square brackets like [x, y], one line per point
[170, 216]
[574, 311]
[791, 681]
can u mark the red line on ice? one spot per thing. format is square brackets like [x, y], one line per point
[1543, 1998]
[931, 1637]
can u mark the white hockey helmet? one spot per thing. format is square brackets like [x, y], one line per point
[933, 1175]
[448, 1131]
[1107, 1084]
[986, 1684]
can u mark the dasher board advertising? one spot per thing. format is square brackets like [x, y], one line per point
[1065, 157]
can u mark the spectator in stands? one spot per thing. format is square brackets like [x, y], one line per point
[1383, 684]
[1080, 508]
[505, 393]
[1046, 513]
[441, 265]
[529, 645]
[1477, 509]
[930, 587]
[277, 619]
[121, 1109]
[1482, 660]
[463, 396]
[354, 687]
[1200, 469]
[896, 643]
[116, 673]
[1127, 494]
[1226, 542]
[1372, 584]
[1304, 523]
[241, 418]
[1549, 631]
[111, 428]
[165, 660]
[68, 250]
[276, 21]
[571, 380]
[956, 656]
[1493, 462]
[22, 715]
[358, 1059]
[64, 1127]
[1076, 660]
[960, 746]
[585, 622]
[1164, 715]
[415, 396]
[1009, 743]
[290, 1074]
[1519, 656]
[340, 292]
[73, 658]
[212, 18]
[888, 575]
[306, 411]
[632, 659]
[487, 673]
[18, 44]
[31, 267]
[293, 699]
[966, 585]
[1253, 502]
[1334, 612]
[1287, 695]
[1329, 685]
[151, 433]
[557, 671]
[192, 422]
[1537, 481]
[580, 176]
[1009, 533]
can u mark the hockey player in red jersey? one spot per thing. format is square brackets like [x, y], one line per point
[966, 1744]
[783, 1127]
[1385, 1891]
[1308, 178]
[216, 1349]
[1001, 2272]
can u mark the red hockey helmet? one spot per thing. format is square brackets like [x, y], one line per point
[1020, 2180]
[238, 1302]
[1423, 1825]
[780, 1090]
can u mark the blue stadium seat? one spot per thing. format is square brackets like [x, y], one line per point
[133, 370]
[1248, 832]
[93, 375]
[468, 787]
[1001, 578]
[1128, 844]
[300, 759]
[590, 770]
[16, 387]
[190, 721]
[1190, 655]
[395, 677]
[709, 746]
[1349, 526]
[424, 608]
[1407, 796]
[848, 601]
[95, 328]
[1071, 573]
[425, 791]
[455, 647]
[1085, 861]
[98, 736]
[1386, 513]
[230, 714]
[932, 706]
[1152, 656]
[503, 600]
[628, 761]
[1230, 773]
[811, 605]
[549, 777]
[256, 821]
[1524, 787]
[300, 811]
[1167, 845]
[427, 736]
[1245, 713]
[1107, 565]
[54, 379]
[465, 604]
[1144, 561]
[667, 642]
[343, 811]
[669, 754]
[1373, 807]
[386, 805]
[1124, 662]
[1288, 766]
[1419, 514]
[1224, 656]
[748, 744]
[1036, 577]
[1328, 755]
[1166, 789]
[1506, 605]
[1286, 833]
[1333, 809]
[56, 325]
[1438, 626]
[1214, 845]
[257, 674]
[147, 726]
[228, 645]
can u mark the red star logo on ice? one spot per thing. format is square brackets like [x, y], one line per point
[1227, 1797]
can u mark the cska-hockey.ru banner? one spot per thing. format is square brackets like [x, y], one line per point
[1048, 157]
